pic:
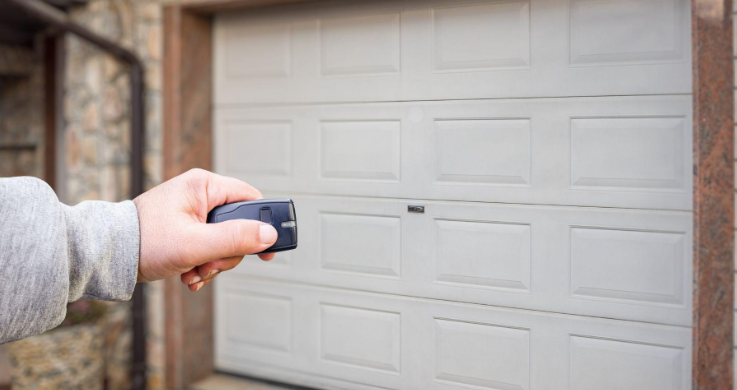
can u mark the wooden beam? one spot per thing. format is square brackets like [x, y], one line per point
[713, 158]
[213, 6]
[66, 3]
[187, 98]
[53, 97]
[187, 144]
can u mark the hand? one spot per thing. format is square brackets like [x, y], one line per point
[175, 236]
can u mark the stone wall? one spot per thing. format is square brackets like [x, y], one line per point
[97, 142]
[16, 60]
[21, 112]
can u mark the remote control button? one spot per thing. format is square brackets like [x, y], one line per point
[265, 215]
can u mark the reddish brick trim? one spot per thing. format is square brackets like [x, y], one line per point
[713, 154]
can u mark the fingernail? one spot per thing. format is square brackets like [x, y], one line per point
[267, 234]
[199, 286]
[213, 272]
[195, 279]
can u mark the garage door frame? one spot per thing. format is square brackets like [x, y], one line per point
[188, 143]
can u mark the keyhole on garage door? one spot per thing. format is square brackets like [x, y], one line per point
[415, 209]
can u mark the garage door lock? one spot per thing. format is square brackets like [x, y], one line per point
[416, 209]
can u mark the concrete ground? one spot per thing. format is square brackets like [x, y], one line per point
[228, 382]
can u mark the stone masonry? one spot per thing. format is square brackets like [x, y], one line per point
[21, 112]
[97, 145]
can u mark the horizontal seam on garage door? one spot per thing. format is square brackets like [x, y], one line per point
[277, 194]
[329, 103]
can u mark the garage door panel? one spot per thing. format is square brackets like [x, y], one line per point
[353, 245]
[628, 153]
[444, 49]
[610, 152]
[461, 36]
[483, 254]
[360, 45]
[259, 148]
[641, 266]
[616, 31]
[364, 150]
[397, 342]
[253, 52]
[620, 152]
[368, 150]
[623, 364]
[623, 264]
[482, 355]
[358, 337]
[267, 337]
[537, 346]
[361, 244]
[634, 269]
[332, 53]
[483, 151]
[263, 150]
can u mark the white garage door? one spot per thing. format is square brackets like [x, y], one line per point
[549, 142]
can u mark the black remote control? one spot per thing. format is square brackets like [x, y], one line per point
[277, 212]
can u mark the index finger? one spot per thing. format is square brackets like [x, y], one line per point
[223, 189]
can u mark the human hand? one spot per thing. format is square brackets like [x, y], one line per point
[175, 236]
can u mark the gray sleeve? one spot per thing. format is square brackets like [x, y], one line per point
[51, 254]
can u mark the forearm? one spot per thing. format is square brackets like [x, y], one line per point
[103, 243]
[51, 254]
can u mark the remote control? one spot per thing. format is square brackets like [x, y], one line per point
[279, 213]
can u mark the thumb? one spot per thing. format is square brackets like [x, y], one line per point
[232, 238]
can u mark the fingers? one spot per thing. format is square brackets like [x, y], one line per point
[191, 277]
[223, 189]
[229, 239]
[197, 286]
[194, 281]
[267, 256]
[208, 270]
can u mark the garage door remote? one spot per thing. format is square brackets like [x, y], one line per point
[276, 212]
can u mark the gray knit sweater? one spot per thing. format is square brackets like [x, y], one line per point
[51, 254]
